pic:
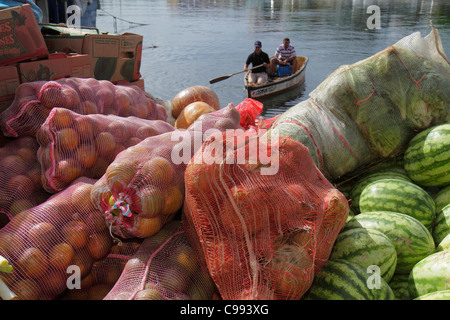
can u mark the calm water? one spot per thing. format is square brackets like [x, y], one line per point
[189, 42]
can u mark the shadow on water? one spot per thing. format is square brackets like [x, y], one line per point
[279, 103]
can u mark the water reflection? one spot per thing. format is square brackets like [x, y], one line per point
[189, 42]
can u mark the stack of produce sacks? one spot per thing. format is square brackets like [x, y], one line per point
[260, 215]
[34, 100]
[74, 145]
[20, 178]
[163, 268]
[43, 241]
[143, 188]
[371, 109]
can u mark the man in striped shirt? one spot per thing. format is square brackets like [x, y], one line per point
[284, 55]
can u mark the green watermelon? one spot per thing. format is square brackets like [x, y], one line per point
[444, 244]
[442, 198]
[355, 192]
[437, 295]
[430, 274]
[345, 280]
[427, 157]
[441, 226]
[399, 285]
[411, 239]
[398, 196]
[366, 247]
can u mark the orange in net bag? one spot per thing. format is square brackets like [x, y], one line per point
[163, 268]
[104, 273]
[20, 178]
[74, 145]
[54, 244]
[143, 188]
[260, 215]
[34, 100]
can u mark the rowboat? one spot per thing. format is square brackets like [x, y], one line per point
[275, 84]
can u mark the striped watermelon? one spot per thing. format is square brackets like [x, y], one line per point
[411, 239]
[437, 295]
[442, 198]
[363, 182]
[444, 244]
[398, 196]
[441, 226]
[366, 247]
[399, 285]
[345, 280]
[430, 274]
[427, 157]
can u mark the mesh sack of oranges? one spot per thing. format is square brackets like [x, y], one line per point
[262, 234]
[104, 273]
[53, 245]
[74, 145]
[34, 100]
[20, 178]
[163, 268]
[143, 188]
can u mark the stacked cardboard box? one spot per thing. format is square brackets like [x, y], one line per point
[114, 57]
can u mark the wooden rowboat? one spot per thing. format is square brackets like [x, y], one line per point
[276, 85]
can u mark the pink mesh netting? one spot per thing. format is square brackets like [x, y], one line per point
[163, 268]
[34, 100]
[143, 188]
[42, 242]
[74, 145]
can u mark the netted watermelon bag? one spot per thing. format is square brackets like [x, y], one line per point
[163, 268]
[74, 145]
[143, 188]
[54, 244]
[20, 178]
[262, 232]
[34, 100]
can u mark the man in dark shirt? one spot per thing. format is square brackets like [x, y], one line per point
[256, 58]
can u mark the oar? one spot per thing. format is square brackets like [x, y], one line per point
[230, 75]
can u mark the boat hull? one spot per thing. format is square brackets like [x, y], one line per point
[277, 86]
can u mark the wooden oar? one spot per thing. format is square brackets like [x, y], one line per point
[230, 75]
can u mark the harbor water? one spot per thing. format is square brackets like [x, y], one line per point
[189, 42]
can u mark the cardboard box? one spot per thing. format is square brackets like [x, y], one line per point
[57, 66]
[20, 36]
[9, 81]
[60, 38]
[139, 83]
[114, 57]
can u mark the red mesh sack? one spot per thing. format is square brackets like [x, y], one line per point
[164, 268]
[250, 111]
[104, 273]
[74, 145]
[143, 188]
[34, 100]
[41, 243]
[261, 234]
[20, 178]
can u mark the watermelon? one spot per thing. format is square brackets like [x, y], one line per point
[360, 184]
[444, 244]
[345, 280]
[442, 198]
[430, 274]
[441, 226]
[398, 196]
[411, 239]
[427, 157]
[366, 247]
[399, 285]
[437, 295]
